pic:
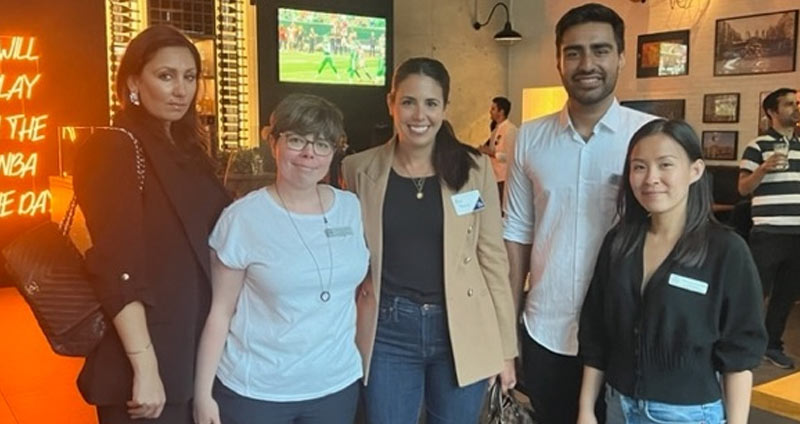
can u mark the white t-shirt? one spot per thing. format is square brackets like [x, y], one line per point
[285, 343]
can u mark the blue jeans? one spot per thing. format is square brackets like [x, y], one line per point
[621, 409]
[412, 358]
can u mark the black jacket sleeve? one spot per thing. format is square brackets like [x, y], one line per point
[743, 338]
[107, 189]
[591, 330]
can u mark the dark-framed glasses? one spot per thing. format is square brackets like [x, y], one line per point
[297, 142]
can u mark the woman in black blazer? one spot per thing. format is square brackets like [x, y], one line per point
[149, 262]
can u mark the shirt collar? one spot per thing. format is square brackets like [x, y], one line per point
[778, 136]
[609, 121]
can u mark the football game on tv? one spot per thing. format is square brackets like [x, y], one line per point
[331, 48]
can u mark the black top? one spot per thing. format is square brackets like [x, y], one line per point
[150, 247]
[665, 345]
[413, 231]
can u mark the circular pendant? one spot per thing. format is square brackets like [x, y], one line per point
[419, 195]
[325, 296]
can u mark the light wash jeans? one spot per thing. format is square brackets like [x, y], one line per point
[621, 409]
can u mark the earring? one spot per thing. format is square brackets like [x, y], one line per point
[134, 98]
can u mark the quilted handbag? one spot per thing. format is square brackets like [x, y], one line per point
[48, 270]
[503, 408]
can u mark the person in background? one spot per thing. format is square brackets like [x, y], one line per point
[673, 302]
[769, 172]
[279, 342]
[561, 188]
[436, 318]
[148, 262]
[500, 146]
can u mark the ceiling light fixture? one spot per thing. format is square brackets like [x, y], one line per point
[506, 35]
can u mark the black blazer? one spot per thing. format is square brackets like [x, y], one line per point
[150, 247]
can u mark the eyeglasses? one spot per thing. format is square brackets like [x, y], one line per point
[295, 142]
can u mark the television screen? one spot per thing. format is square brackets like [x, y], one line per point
[331, 48]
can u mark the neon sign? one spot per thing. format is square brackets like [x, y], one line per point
[22, 133]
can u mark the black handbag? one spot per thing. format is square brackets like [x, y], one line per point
[49, 272]
[501, 408]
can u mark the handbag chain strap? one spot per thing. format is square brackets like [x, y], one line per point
[66, 222]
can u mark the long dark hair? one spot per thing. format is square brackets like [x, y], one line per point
[187, 132]
[451, 159]
[692, 247]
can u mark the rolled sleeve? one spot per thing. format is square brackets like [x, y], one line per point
[519, 219]
[107, 190]
[743, 338]
[228, 239]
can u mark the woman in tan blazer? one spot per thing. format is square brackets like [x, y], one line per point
[436, 318]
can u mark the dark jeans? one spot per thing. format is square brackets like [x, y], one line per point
[553, 383]
[412, 359]
[777, 258]
[335, 408]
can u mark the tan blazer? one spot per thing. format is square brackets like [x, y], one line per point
[480, 311]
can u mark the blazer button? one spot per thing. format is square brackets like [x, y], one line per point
[125, 276]
[467, 259]
[469, 292]
[469, 229]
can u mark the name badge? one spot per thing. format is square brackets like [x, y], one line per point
[468, 202]
[690, 284]
[338, 232]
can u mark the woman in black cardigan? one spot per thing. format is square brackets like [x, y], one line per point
[149, 262]
[672, 320]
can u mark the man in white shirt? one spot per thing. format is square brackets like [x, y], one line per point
[562, 189]
[500, 146]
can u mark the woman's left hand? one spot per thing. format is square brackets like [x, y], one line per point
[508, 377]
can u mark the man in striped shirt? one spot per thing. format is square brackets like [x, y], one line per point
[773, 178]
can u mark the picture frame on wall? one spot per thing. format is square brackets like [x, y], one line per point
[756, 44]
[721, 108]
[763, 120]
[663, 54]
[668, 109]
[720, 145]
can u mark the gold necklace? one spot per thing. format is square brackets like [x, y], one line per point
[324, 294]
[419, 182]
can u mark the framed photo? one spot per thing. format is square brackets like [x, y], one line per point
[668, 109]
[756, 44]
[720, 145]
[662, 55]
[721, 108]
[763, 119]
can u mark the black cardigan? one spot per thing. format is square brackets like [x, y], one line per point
[667, 344]
[151, 248]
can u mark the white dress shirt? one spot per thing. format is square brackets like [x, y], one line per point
[562, 194]
[502, 142]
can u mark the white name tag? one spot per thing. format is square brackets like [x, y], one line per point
[687, 283]
[469, 202]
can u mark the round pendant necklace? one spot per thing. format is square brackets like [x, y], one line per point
[419, 183]
[324, 291]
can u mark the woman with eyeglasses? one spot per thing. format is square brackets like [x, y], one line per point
[279, 343]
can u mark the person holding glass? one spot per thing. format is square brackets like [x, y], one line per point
[671, 323]
[770, 172]
[279, 343]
